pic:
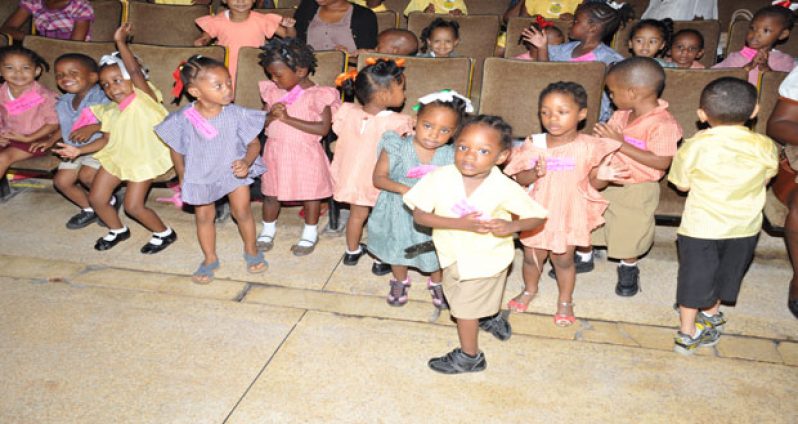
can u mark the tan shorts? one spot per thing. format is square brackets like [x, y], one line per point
[629, 228]
[84, 160]
[473, 299]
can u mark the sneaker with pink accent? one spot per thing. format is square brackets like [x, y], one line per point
[397, 295]
[436, 291]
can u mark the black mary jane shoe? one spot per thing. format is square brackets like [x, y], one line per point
[793, 305]
[380, 268]
[150, 249]
[351, 259]
[103, 244]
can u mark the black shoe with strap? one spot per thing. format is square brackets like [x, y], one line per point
[81, 219]
[151, 248]
[106, 242]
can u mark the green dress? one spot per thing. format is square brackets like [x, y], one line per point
[391, 229]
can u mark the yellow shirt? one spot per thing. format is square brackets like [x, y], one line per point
[441, 6]
[550, 9]
[726, 169]
[477, 255]
[380, 8]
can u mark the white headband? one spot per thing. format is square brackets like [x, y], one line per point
[446, 96]
[116, 59]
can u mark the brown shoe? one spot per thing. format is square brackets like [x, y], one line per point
[298, 250]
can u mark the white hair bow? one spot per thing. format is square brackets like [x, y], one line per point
[116, 59]
[788, 4]
[615, 5]
[445, 96]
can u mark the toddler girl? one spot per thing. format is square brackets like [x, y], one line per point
[62, 19]
[440, 38]
[687, 47]
[215, 148]
[554, 37]
[565, 167]
[770, 25]
[300, 113]
[27, 109]
[452, 7]
[403, 160]
[377, 87]
[593, 22]
[239, 26]
[131, 151]
[649, 38]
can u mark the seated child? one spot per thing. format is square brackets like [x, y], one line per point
[440, 38]
[553, 34]
[181, 2]
[397, 41]
[687, 47]
[441, 7]
[62, 19]
[374, 5]
[771, 25]
[648, 134]
[649, 38]
[468, 205]
[726, 169]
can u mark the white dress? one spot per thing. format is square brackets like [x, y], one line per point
[682, 10]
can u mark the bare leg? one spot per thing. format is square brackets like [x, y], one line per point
[312, 211]
[400, 272]
[242, 212]
[86, 176]
[436, 276]
[468, 332]
[531, 269]
[354, 227]
[66, 181]
[11, 155]
[566, 278]
[271, 209]
[135, 196]
[791, 238]
[687, 320]
[102, 189]
[204, 216]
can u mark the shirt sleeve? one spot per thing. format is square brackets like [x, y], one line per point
[32, 6]
[735, 60]
[102, 112]
[423, 194]
[683, 163]
[268, 23]
[325, 96]
[416, 6]
[771, 160]
[403, 124]
[81, 10]
[520, 158]
[267, 89]
[208, 24]
[171, 131]
[600, 148]
[250, 123]
[558, 53]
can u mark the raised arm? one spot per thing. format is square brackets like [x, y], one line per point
[13, 25]
[133, 68]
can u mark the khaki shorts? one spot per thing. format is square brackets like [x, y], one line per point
[84, 160]
[473, 299]
[629, 228]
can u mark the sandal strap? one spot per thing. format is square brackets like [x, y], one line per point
[206, 270]
[254, 260]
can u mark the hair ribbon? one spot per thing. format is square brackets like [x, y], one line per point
[345, 76]
[787, 4]
[444, 96]
[615, 5]
[542, 22]
[178, 88]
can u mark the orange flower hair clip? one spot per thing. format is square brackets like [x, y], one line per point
[374, 60]
[345, 76]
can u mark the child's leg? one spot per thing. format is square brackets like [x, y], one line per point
[102, 189]
[312, 211]
[566, 280]
[271, 210]
[310, 234]
[400, 272]
[242, 212]
[687, 320]
[531, 269]
[86, 176]
[354, 227]
[66, 181]
[400, 284]
[468, 333]
[135, 196]
[11, 155]
[204, 216]
[791, 237]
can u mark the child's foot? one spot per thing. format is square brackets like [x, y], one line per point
[379, 268]
[397, 295]
[436, 291]
[255, 263]
[498, 325]
[112, 239]
[716, 321]
[792, 305]
[565, 314]
[704, 336]
[81, 219]
[521, 302]
[159, 241]
[457, 361]
[351, 258]
[205, 273]
[628, 280]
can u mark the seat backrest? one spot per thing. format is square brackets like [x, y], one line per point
[511, 88]
[487, 7]
[50, 49]
[330, 63]
[163, 60]
[107, 17]
[710, 29]
[5, 40]
[386, 20]
[165, 25]
[398, 6]
[639, 7]
[683, 91]
[739, 30]
[517, 24]
[426, 75]
[292, 4]
[768, 96]
[727, 9]
[286, 12]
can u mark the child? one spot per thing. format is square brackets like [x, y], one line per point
[403, 160]
[440, 38]
[62, 19]
[300, 113]
[397, 41]
[239, 26]
[553, 34]
[468, 205]
[215, 149]
[648, 134]
[649, 38]
[686, 49]
[452, 7]
[566, 168]
[27, 109]
[725, 168]
[77, 74]
[378, 87]
[593, 22]
[375, 5]
[131, 151]
[560, 9]
[770, 25]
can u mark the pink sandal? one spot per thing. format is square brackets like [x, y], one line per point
[516, 306]
[565, 320]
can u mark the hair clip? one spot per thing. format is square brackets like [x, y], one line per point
[444, 96]
[542, 22]
[343, 77]
[615, 5]
[370, 61]
[787, 4]
[177, 90]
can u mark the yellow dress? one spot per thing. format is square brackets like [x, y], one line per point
[441, 6]
[134, 152]
[550, 9]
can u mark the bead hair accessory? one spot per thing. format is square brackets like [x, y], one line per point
[788, 4]
[445, 96]
[178, 88]
[346, 76]
[542, 22]
[615, 5]
[115, 58]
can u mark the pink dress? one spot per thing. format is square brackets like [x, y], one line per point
[356, 151]
[27, 113]
[777, 61]
[296, 165]
[575, 207]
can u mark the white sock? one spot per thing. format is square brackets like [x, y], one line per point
[354, 252]
[111, 236]
[624, 263]
[309, 235]
[706, 314]
[584, 256]
[156, 236]
[112, 201]
[89, 209]
[269, 228]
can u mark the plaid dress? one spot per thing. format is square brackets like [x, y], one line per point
[58, 23]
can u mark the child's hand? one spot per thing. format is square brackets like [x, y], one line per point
[288, 22]
[430, 8]
[534, 37]
[123, 33]
[240, 168]
[763, 56]
[612, 172]
[4, 141]
[42, 144]
[83, 134]
[500, 227]
[278, 112]
[471, 222]
[456, 12]
[605, 131]
[66, 151]
[11, 135]
[540, 167]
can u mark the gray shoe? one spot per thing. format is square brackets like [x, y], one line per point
[81, 219]
[716, 321]
[456, 362]
[498, 325]
[628, 281]
[687, 345]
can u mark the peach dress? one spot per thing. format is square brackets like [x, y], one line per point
[575, 207]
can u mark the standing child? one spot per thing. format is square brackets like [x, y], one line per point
[726, 169]
[440, 38]
[649, 38]
[687, 47]
[300, 113]
[441, 7]
[566, 168]
[215, 148]
[403, 160]
[131, 151]
[468, 205]
[770, 25]
[239, 26]
[27, 109]
[648, 134]
[593, 22]
[378, 86]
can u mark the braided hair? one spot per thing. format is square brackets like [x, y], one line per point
[610, 19]
[372, 79]
[293, 52]
[189, 71]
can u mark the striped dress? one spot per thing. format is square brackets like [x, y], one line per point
[575, 207]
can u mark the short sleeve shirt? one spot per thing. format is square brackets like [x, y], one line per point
[58, 23]
[68, 115]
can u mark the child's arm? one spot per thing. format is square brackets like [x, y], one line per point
[286, 28]
[502, 227]
[71, 152]
[529, 176]
[470, 222]
[80, 30]
[241, 166]
[203, 40]
[13, 25]
[538, 39]
[83, 134]
[42, 132]
[382, 181]
[136, 76]
[638, 155]
[180, 164]
[606, 172]
[280, 113]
